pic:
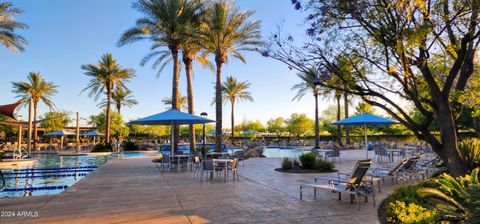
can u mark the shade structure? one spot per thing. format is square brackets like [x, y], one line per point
[171, 117]
[92, 133]
[9, 109]
[60, 133]
[213, 132]
[251, 132]
[364, 120]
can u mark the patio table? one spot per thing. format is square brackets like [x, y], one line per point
[391, 153]
[225, 162]
[178, 158]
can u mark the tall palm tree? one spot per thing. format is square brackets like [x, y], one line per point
[226, 32]
[166, 23]
[36, 89]
[182, 103]
[120, 97]
[234, 91]
[8, 38]
[309, 84]
[105, 76]
[336, 95]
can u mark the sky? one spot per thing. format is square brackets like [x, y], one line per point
[63, 35]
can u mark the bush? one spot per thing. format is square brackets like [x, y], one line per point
[470, 152]
[287, 163]
[296, 162]
[400, 212]
[202, 151]
[130, 146]
[323, 165]
[100, 147]
[308, 160]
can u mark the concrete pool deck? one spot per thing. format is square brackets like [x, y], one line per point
[133, 191]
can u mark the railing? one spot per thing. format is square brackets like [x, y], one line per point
[2, 181]
[20, 153]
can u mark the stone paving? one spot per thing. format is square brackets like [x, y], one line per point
[133, 191]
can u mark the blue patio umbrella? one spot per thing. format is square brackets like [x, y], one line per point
[92, 134]
[171, 117]
[60, 133]
[251, 132]
[364, 120]
[213, 132]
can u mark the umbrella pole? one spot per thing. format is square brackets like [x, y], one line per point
[171, 140]
[61, 143]
[366, 142]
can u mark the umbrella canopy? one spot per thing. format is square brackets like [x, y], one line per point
[213, 132]
[364, 120]
[59, 133]
[250, 132]
[92, 133]
[171, 117]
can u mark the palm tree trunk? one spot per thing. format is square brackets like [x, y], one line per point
[175, 94]
[233, 121]
[35, 134]
[107, 126]
[347, 130]
[317, 125]
[218, 108]
[339, 127]
[191, 110]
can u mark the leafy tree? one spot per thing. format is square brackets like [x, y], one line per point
[364, 108]
[234, 91]
[247, 125]
[276, 125]
[8, 130]
[167, 24]
[105, 76]
[116, 123]
[153, 130]
[8, 25]
[120, 97]
[226, 32]
[299, 124]
[36, 89]
[404, 47]
[55, 120]
[309, 84]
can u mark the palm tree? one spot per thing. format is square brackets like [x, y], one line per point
[8, 25]
[337, 96]
[166, 23]
[36, 90]
[309, 84]
[105, 76]
[182, 103]
[120, 97]
[234, 91]
[226, 32]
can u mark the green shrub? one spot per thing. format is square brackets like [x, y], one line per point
[130, 146]
[100, 147]
[296, 162]
[470, 152]
[400, 212]
[308, 160]
[323, 165]
[287, 163]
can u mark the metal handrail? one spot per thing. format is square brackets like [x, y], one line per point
[2, 181]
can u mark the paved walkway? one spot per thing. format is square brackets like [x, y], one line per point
[133, 191]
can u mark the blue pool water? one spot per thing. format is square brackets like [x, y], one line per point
[276, 152]
[50, 174]
[136, 154]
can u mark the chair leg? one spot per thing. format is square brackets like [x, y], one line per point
[301, 192]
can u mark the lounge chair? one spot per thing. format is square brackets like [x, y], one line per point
[355, 186]
[346, 176]
[410, 169]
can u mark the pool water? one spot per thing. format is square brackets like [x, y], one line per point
[136, 154]
[50, 174]
[275, 152]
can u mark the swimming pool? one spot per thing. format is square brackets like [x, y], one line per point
[50, 174]
[280, 152]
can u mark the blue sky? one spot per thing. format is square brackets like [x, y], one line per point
[63, 35]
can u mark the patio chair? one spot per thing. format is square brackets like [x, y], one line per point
[333, 154]
[166, 162]
[196, 166]
[381, 154]
[410, 169]
[208, 167]
[240, 155]
[355, 186]
[233, 168]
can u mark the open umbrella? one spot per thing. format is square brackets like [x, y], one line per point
[171, 117]
[213, 132]
[365, 119]
[92, 134]
[60, 133]
[251, 132]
